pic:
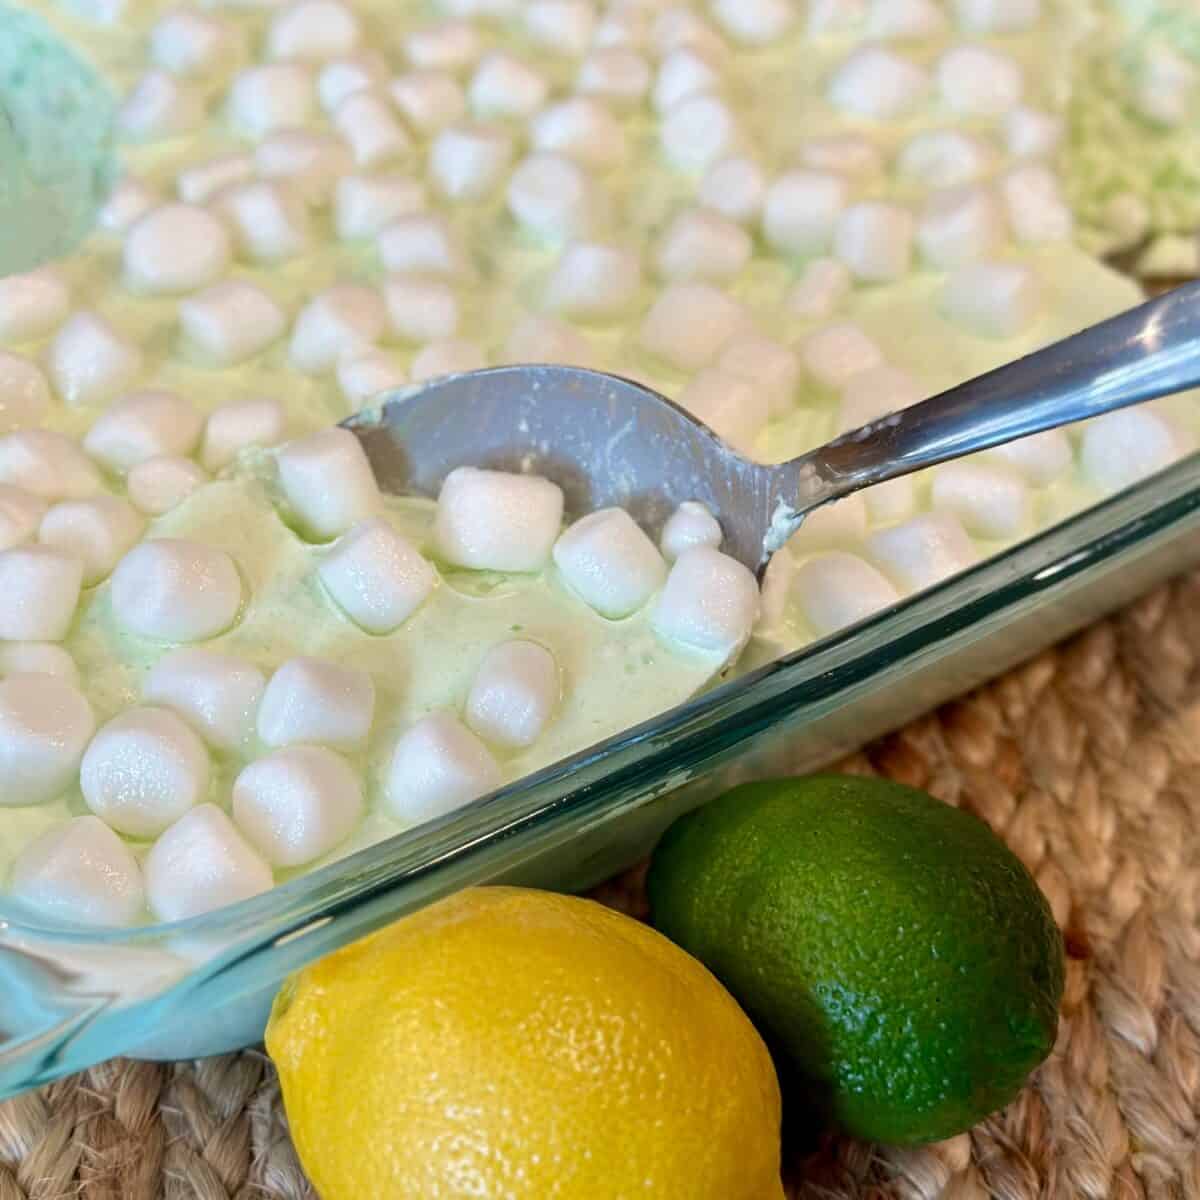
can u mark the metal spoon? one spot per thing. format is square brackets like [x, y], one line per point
[610, 441]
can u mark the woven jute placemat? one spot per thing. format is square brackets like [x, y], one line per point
[1086, 760]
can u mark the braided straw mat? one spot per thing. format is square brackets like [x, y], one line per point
[1086, 760]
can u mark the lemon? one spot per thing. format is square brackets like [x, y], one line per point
[507, 1043]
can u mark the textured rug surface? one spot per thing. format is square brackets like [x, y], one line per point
[1086, 761]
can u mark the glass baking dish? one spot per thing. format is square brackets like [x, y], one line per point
[71, 999]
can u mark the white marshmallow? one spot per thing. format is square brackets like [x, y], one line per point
[421, 310]
[202, 863]
[128, 200]
[1036, 208]
[191, 44]
[24, 392]
[834, 354]
[197, 184]
[878, 83]
[231, 321]
[702, 245]
[998, 16]
[1165, 86]
[563, 26]
[922, 551]
[617, 74]
[583, 130]
[1121, 448]
[772, 368]
[159, 107]
[373, 134]
[425, 244]
[689, 324]
[905, 19]
[538, 339]
[239, 425]
[609, 562]
[328, 482]
[344, 319]
[697, 132]
[21, 513]
[942, 158]
[312, 700]
[874, 239]
[710, 603]
[1041, 458]
[175, 248]
[1031, 133]
[429, 100]
[835, 16]
[362, 376]
[496, 521]
[313, 31]
[504, 86]
[143, 770]
[734, 187]
[689, 526]
[593, 281]
[90, 361]
[754, 22]
[275, 96]
[730, 405]
[159, 484]
[217, 694]
[343, 76]
[514, 694]
[40, 586]
[38, 658]
[311, 163]
[975, 81]
[823, 285]
[621, 25]
[141, 426]
[451, 356]
[467, 162]
[48, 465]
[450, 46]
[270, 223]
[874, 393]
[836, 589]
[800, 211]
[888, 503]
[82, 873]
[992, 299]
[364, 205]
[553, 198]
[991, 500]
[45, 726]
[437, 766]
[98, 532]
[678, 26]
[32, 305]
[170, 590]
[960, 225]
[849, 154]
[376, 576]
[842, 523]
[297, 804]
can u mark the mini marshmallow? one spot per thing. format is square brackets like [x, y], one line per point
[1041, 458]
[835, 16]
[143, 770]
[364, 205]
[1121, 448]
[423, 244]
[698, 132]
[992, 299]
[823, 285]
[160, 484]
[128, 200]
[21, 513]
[1031, 133]
[710, 603]
[275, 96]
[451, 356]
[48, 465]
[878, 83]
[617, 74]
[960, 225]
[141, 426]
[754, 22]
[730, 405]
[421, 310]
[690, 324]
[270, 223]
[197, 184]
[496, 521]
[341, 77]
[38, 658]
[45, 726]
[734, 187]
[991, 500]
[503, 86]
[689, 526]
[237, 426]
[800, 211]
[313, 31]
[159, 107]
[437, 766]
[90, 361]
[467, 162]
[81, 873]
[40, 586]
[170, 590]
[98, 532]
[998, 16]
[553, 198]
[874, 393]
[874, 239]
[449, 46]
[1166, 84]
[328, 482]
[842, 523]
[903, 19]
[593, 281]
[202, 863]
[24, 392]
[583, 130]
[175, 248]
[772, 368]
[922, 551]
[609, 562]
[311, 163]
[32, 305]
[429, 100]
[834, 354]
[376, 576]
[297, 804]
[216, 694]
[891, 502]
[942, 158]
[702, 245]
[621, 25]
[678, 26]
[374, 136]
[837, 589]
[231, 321]
[514, 694]
[563, 26]
[849, 154]
[344, 319]
[362, 376]
[538, 339]
[1037, 211]
[975, 81]
[191, 44]
[312, 700]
